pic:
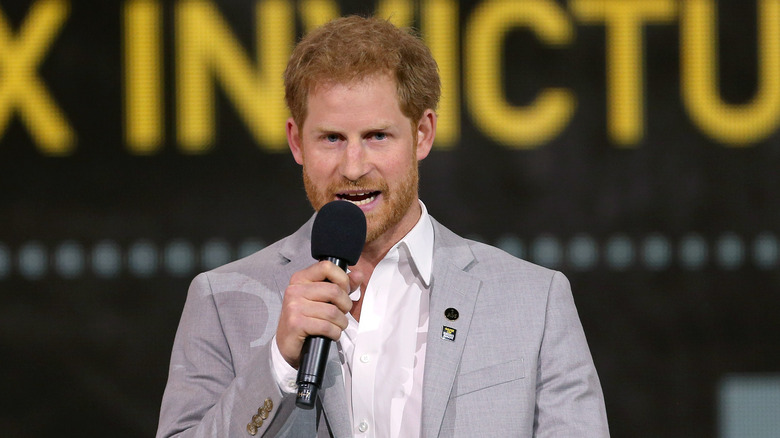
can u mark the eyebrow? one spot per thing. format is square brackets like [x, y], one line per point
[381, 127]
[378, 127]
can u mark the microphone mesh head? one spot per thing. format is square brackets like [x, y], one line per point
[339, 231]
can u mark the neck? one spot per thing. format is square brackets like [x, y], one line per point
[375, 251]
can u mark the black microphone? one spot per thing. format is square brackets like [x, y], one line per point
[338, 235]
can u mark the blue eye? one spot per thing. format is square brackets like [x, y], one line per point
[331, 138]
[380, 135]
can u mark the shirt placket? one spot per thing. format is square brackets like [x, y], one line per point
[367, 349]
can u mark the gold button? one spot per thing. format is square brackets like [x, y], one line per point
[252, 429]
[269, 405]
[263, 415]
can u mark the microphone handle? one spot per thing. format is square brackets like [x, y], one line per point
[314, 357]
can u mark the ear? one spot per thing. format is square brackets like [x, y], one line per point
[294, 140]
[426, 132]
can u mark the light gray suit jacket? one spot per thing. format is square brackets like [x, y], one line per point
[519, 364]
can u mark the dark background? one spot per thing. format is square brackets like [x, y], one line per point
[670, 244]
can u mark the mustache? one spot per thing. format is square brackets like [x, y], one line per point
[367, 184]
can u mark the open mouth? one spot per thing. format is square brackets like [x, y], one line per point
[359, 198]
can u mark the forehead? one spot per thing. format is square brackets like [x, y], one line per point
[360, 100]
[383, 82]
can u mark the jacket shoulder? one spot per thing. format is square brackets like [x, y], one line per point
[488, 261]
[269, 255]
[293, 247]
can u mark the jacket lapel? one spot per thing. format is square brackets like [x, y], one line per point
[451, 287]
[334, 398]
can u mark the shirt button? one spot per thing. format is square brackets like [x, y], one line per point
[365, 358]
[363, 426]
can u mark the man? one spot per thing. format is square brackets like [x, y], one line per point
[437, 335]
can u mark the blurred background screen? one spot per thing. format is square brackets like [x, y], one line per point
[632, 145]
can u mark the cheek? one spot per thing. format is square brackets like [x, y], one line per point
[317, 165]
[399, 167]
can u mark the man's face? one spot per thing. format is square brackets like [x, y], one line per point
[357, 145]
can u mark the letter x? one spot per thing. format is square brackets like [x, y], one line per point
[20, 87]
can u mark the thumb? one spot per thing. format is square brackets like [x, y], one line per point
[355, 280]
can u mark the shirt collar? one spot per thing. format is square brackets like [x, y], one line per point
[419, 245]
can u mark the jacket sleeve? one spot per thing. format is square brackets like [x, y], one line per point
[569, 400]
[206, 396]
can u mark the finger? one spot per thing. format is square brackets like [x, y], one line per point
[328, 313]
[315, 319]
[355, 280]
[323, 281]
[316, 300]
[334, 274]
[321, 292]
[290, 345]
[322, 271]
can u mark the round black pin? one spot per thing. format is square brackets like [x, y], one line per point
[451, 314]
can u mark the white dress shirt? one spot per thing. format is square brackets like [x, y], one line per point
[383, 356]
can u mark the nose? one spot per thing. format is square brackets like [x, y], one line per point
[354, 163]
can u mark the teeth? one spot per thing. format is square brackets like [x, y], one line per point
[357, 195]
[363, 202]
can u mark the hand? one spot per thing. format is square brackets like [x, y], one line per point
[315, 304]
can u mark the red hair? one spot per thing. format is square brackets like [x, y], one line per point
[353, 48]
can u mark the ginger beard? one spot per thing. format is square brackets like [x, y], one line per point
[395, 203]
